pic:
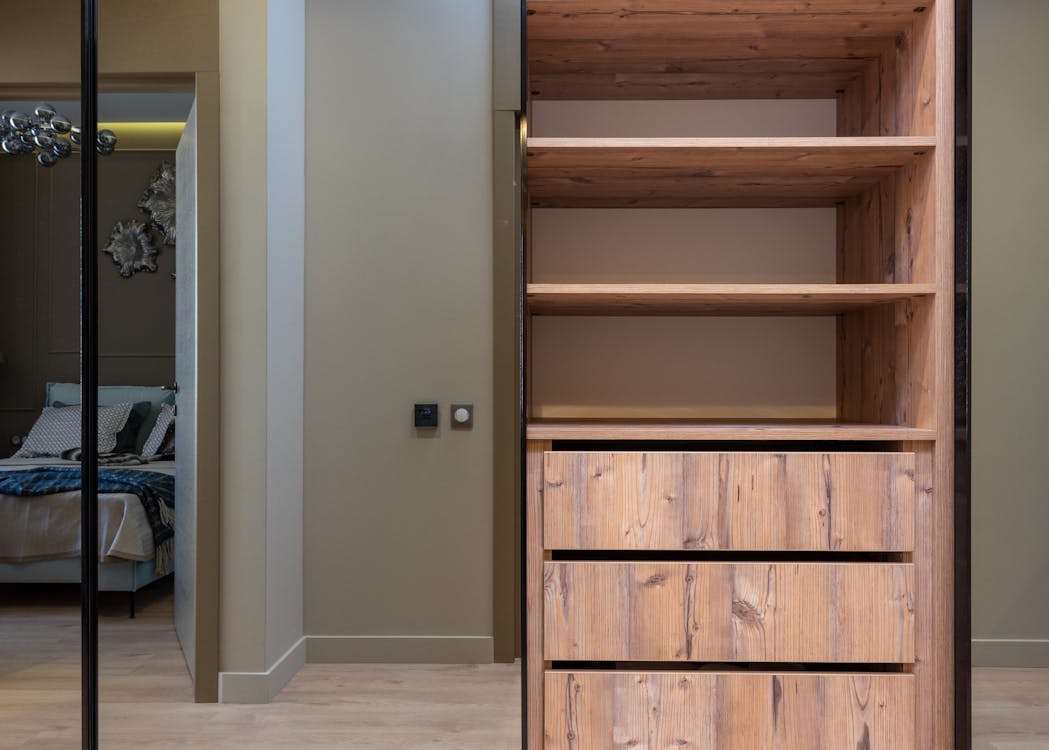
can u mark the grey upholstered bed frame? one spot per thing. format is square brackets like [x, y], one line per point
[117, 575]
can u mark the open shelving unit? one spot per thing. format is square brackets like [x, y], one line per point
[815, 470]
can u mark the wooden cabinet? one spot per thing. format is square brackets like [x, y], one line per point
[739, 535]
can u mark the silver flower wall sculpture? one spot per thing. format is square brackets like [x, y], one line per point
[132, 246]
[158, 202]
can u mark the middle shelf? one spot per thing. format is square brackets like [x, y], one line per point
[716, 299]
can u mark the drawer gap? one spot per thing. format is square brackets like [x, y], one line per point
[755, 556]
[741, 667]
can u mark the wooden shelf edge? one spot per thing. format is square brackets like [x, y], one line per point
[814, 143]
[699, 430]
[740, 299]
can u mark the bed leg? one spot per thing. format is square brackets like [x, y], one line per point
[131, 605]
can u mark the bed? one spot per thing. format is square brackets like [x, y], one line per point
[40, 535]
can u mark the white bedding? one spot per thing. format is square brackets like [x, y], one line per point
[48, 527]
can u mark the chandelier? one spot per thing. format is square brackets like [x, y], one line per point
[47, 135]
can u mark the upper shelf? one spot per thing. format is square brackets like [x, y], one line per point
[716, 299]
[673, 429]
[664, 49]
[712, 172]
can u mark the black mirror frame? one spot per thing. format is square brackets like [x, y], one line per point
[89, 376]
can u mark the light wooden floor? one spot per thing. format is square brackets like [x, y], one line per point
[146, 696]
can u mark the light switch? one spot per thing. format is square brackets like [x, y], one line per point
[462, 415]
[425, 415]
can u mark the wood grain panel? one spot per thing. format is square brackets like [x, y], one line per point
[534, 664]
[729, 501]
[728, 612]
[700, 20]
[711, 172]
[728, 711]
[768, 84]
[715, 299]
[669, 429]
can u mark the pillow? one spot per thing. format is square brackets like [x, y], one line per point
[58, 430]
[127, 438]
[108, 395]
[165, 420]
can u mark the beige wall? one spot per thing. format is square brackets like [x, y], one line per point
[1010, 320]
[398, 523]
[242, 89]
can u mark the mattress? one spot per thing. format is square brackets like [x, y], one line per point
[48, 527]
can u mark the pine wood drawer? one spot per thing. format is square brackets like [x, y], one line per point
[729, 612]
[729, 501]
[728, 711]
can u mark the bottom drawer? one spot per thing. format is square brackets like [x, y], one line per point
[728, 710]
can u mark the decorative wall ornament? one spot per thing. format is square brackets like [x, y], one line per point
[132, 246]
[47, 135]
[158, 202]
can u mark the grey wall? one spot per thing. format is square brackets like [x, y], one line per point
[1010, 340]
[39, 286]
[398, 523]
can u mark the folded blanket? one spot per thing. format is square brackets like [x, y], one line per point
[108, 459]
[156, 491]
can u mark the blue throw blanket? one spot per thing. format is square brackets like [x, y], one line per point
[155, 490]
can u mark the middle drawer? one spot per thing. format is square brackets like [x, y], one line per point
[728, 612]
[831, 502]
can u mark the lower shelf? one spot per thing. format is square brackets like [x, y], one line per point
[727, 710]
[600, 429]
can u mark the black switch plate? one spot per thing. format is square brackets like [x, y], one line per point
[426, 415]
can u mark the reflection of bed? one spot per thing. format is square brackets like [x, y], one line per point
[40, 536]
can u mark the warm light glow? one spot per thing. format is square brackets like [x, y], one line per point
[146, 136]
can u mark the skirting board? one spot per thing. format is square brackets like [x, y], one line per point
[1010, 652]
[262, 687]
[399, 649]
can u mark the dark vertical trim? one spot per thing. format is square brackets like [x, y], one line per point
[89, 375]
[962, 376]
[522, 390]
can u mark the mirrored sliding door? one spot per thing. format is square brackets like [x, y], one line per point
[40, 499]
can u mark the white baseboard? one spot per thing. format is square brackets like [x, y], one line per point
[262, 687]
[1010, 652]
[399, 649]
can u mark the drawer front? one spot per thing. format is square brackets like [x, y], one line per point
[729, 612]
[728, 711]
[729, 501]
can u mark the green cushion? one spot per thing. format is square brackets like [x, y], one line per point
[109, 395]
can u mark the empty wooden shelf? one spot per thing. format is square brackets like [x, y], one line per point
[679, 429]
[712, 172]
[716, 299]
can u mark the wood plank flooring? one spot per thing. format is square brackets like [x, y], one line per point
[146, 693]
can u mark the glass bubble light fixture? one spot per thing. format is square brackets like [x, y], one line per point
[47, 135]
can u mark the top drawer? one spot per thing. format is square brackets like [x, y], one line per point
[855, 502]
